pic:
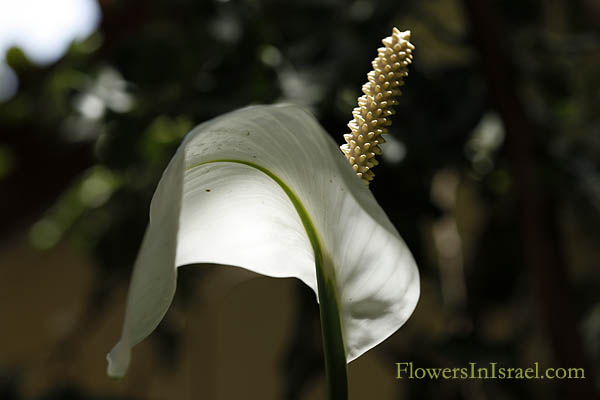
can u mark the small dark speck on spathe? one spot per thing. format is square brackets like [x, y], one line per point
[208, 190]
[247, 133]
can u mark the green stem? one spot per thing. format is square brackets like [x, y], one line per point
[333, 339]
[331, 324]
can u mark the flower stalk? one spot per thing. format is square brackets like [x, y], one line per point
[374, 110]
[331, 328]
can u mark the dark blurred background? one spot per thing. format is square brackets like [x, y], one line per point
[491, 174]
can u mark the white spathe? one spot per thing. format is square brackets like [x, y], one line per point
[207, 210]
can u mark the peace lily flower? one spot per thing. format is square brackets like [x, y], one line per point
[265, 188]
[375, 106]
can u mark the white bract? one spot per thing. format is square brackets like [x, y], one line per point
[240, 191]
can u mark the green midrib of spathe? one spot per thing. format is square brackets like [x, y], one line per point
[331, 324]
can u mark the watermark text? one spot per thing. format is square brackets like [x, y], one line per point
[406, 370]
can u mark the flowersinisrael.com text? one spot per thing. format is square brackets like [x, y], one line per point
[406, 370]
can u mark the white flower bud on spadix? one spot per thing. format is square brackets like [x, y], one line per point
[375, 106]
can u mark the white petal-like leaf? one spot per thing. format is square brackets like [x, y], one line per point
[239, 191]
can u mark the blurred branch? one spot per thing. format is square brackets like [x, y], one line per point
[120, 18]
[540, 236]
[592, 10]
